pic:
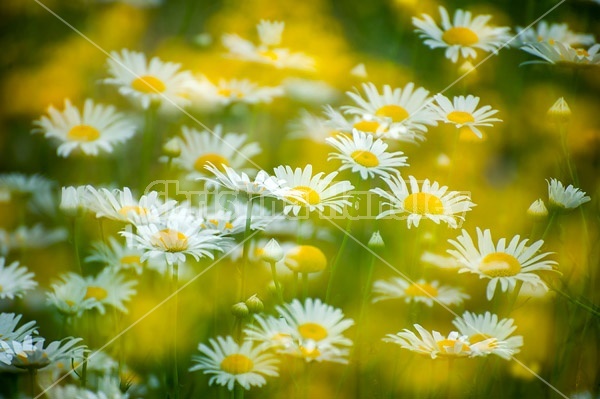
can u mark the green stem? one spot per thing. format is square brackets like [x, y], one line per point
[32, 376]
[148, 143]
[550, 222]
[174, 372]
[565, 148]
[246, 249]
[238, 391]
[76, 244]
[276, 282]
[577, 302]
[338, 257]
[304, 286]
[84, 369]
[514, 296]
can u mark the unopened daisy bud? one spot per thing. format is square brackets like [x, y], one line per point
[560, 111]
[376, 241]
[254, 304]
[240, 310]
[272, 252]
[537, 209]
[171, 148]
[306, 259]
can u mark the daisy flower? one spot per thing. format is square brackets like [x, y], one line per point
[9, 330]
[262, 185]
[462, 36]
[551, 33]
[109, 288]
[495, 333]
[31, 354]
[69, 295]
[176, 235]
[95, 128]
[116, 255]
[201, 149]
[430, 201]
[267, 52]
[228, 363]
[462, 112]
[401, 107]
[312, 331]
[15, 280]
[560, 53]
[146, 82]
[432, 344]
[501, 263]
[232, 220]
[565, 197]
[364, 155]
[35, 237]
[122, 206]
[379, 127]
[227, 92]
[313, 192]
[420, 291]
[73, 199]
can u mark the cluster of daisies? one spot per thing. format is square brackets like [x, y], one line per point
[464, 35]
[161, 235]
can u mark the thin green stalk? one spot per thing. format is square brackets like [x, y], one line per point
[515, 295]
[551, 220]
[75, 226]
[32, 377]
[565, 148]
[175, 277]
[84, 370]
[246, 249]
[148, 143]
[338, 257]
[238, 391]
[276, 282]
[304, 286]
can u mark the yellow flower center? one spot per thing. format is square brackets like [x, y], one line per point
[170, 240]
[217, 160]
[367, 126]
[313, 331]
[148, 84]
[70, 303]
[582, 52]
[423, 203]
[237, 364]
[421, 289]
[499, 264]
[365, 158]
[306, 259]
[269, 54]
[138, 210]
[83, 133]
[97, 293]
[460, 117]
[130, 260]
[461, 36]
[446, 347]
[395, 112]
[308, 194]
[225, 92]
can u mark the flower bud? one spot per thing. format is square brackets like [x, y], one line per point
[272, 252]
[171, 148]
[254, 304]
[537, 209]
[560, 111]
[240, 310]
[376, 241]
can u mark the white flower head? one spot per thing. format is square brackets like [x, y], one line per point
[146, 82]
[94, 129]
[463, 35]
[15, 280]
[501, 263]
[365, 155]
[228, 363]
[430, 201]
[565, 198]
[419, 291]
[463, 112]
